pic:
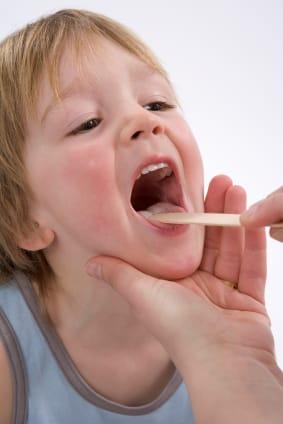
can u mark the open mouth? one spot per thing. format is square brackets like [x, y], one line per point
[157, 190]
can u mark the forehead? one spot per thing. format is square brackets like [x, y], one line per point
[96, 65]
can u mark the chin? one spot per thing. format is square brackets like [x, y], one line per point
[173, 268]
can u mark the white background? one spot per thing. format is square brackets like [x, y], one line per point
[225, 58]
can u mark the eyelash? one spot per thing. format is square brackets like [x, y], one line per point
[82, 128]
[163, 105]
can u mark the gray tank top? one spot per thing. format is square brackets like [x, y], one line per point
[47, 386]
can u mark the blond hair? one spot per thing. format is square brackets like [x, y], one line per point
[24, 57]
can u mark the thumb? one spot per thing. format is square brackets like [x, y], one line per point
[265, 212]
[171, 313]
[276, 233]
[133, 285]
[162, 306]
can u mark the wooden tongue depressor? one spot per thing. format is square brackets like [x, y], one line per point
[212, 219]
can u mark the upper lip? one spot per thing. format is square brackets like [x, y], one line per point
[154, 159]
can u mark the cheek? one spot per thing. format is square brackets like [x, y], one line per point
[86, 169]
[88, 175]
[80, 187]
[187, 144]
[192, 161]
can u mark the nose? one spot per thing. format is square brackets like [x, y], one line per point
[141, 123]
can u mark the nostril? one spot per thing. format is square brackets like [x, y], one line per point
[136, 134]
[157, 130]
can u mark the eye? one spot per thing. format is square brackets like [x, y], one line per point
[86, 126]
[159, 106]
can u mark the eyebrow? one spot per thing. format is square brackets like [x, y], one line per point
[73, 87]
[68, 91]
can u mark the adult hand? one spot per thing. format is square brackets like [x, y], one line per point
[218, 336]
[266, 212]
[203, 311]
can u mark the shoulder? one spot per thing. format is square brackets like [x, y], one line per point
[8, 293]
[5, 386]
[9, 358]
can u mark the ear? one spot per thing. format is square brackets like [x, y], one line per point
[39, 239]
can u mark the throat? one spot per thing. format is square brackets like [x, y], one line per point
[151, 198]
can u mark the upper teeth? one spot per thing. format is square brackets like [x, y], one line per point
[154, 167]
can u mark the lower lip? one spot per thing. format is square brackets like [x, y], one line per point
[162, 228]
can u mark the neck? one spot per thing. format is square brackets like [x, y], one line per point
[92, 312]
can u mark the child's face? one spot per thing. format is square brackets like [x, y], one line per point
[83, 176]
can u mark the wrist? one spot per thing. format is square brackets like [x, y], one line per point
[227, 360]
[246, 387]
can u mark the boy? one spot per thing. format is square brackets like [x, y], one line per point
[81, 139]
[92, 143]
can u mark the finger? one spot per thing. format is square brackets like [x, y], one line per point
[277, 191]
[253, 268]
[276, 233]
[266, 212]
[227, 266]
[214, 202]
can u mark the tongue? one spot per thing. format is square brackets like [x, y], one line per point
[160, 207]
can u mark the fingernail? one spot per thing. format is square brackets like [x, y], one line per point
[276, 234]
[94, 269]
[252, 209]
